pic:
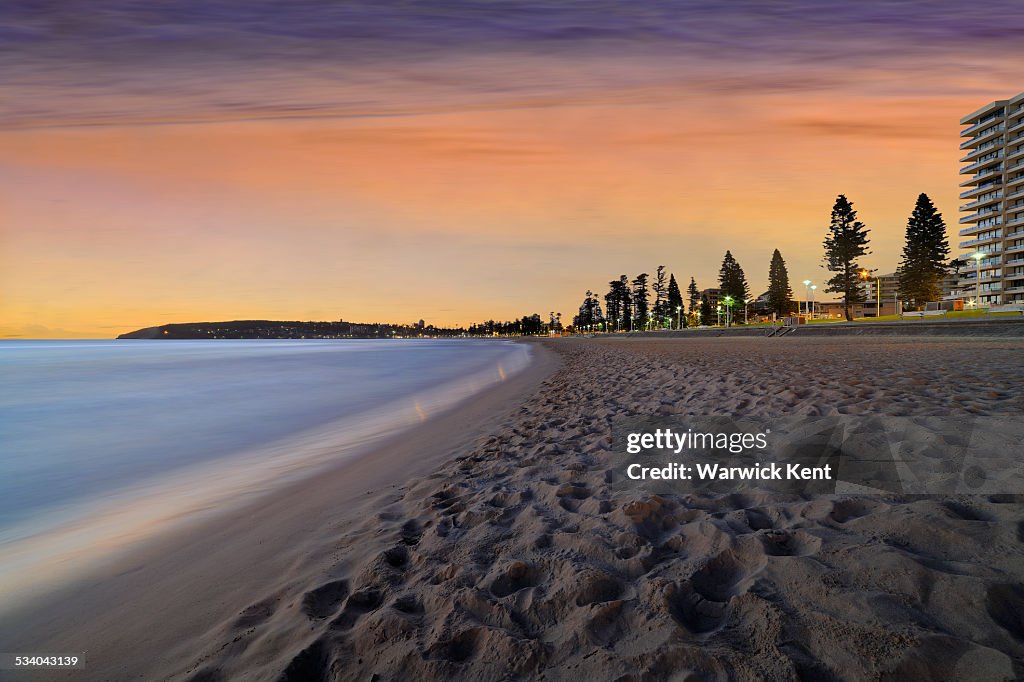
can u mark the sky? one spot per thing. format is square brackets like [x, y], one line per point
[460, 161]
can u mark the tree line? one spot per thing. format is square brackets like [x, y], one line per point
[637, 304]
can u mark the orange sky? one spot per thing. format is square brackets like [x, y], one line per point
[457, 213]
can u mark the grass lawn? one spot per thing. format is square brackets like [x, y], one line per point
[950, 314]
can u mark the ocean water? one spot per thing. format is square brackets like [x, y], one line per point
[103, 443]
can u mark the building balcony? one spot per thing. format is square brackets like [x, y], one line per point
[981, 240]
[1014, 223]
[1014, 128]
[980, 215]
[970, 279]
[1016, 261]
[1013, 290]
[980, 189]
[1011, 182]
[982, 148]
[986, 174]
[985, 121]
[982, 163]
[994, 250]
[984, 136]
[1013, 156]
[1019, 248]
[1019, 165]
[973, 229]
[982, 202]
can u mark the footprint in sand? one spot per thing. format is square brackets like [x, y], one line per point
[786, 543]
[359, 603]
[571, 494]
[692, 611]
[1005, 604]
[518, 575]
[324, 601]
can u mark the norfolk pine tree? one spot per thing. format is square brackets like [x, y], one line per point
[923, 264]
[780, 296]
[640, 298]
[675, 301]
[694, 295]
[660, 297]
[846, 241]
[732, 282]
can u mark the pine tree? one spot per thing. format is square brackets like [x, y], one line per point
[780, 296]
[641, 308]
[732, 282]
[589, 315]
[675, 301]
[706, 313]
[847, 240]
[626, 303]
[694, 295]
[923, 265]
[613, 305]
[659, 287]
[618, 304]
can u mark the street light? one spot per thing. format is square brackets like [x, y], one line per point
[679, 315]
[813, 287]
[746, 302]
[718, 310]
[728, 311]
[866, 275]
[807, 283]
[978, 257]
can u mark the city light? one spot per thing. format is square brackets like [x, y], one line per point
[978, 257]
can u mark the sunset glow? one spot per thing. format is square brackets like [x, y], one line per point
[466, 183]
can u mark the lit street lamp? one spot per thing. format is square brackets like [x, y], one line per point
[718, 310]
[728, 311]
[978, 257]
[813, 287]
[807, 283]
[679, 315]
[866, 275]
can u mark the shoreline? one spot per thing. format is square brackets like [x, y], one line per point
[209, 568]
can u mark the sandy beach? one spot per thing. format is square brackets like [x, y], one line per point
[489, 545]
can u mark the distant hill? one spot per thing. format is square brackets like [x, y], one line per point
[271, 329]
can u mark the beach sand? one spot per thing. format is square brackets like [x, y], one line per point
[511, 556]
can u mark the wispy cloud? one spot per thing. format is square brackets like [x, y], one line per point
[206, 60]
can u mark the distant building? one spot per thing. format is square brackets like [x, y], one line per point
[890, 285]
[994, 212]
[714, 295]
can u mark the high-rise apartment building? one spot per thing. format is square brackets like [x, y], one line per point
[994, 212]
